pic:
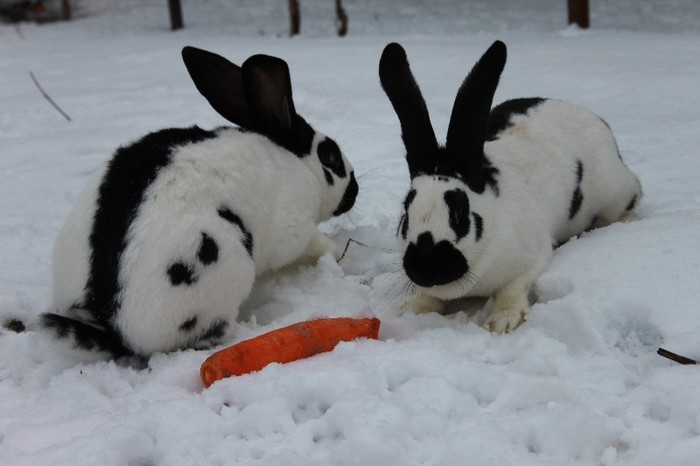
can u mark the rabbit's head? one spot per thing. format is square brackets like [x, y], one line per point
[257, 97]
[454, 188]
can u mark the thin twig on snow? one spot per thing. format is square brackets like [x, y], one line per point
[47, 97]
[676, 357]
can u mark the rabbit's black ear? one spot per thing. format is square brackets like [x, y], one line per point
[268, 89]
[470, 115]
[403, 92]
[220, 82]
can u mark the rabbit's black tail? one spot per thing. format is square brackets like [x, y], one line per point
[86, 335]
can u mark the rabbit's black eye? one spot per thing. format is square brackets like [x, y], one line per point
[458, 206]
[329, 158]
[329, 155]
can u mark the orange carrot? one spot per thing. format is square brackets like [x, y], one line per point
[284, 345]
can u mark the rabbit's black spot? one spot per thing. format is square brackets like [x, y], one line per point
[211, 335]
[331, 158]
[489, 175]
[180, 274]
[129, 174]
[592, 224]
[349, 196]
[458, 208]
[298, 141]
[501, 115]
[577, 196]
[208, 250]
[478, 225]
[329, 177]
[226, 213]
[579, 171]
[409, 199]
[576, 201]
[430, 264]
[403, 226]
[188, 325]
[214, 332]
[86, 336]
[632, 204]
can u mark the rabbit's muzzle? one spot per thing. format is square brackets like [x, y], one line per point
[432, 264]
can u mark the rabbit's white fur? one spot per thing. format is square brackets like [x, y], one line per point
[273, 201]
[550, 152]
[238, 169]
[536, 159]
[542, 149]
[71, 253]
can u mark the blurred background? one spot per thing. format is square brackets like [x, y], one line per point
[356, 17]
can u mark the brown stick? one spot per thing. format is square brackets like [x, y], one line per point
[341, 18]
[347, 245]
[66, 13]
[47, 97]
[294, 18]
[676, 357]
[579, 13]
[175, 10]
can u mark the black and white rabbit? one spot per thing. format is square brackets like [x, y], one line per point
[484, 211]
[166, 240]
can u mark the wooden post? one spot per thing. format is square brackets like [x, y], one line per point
[579, 13]
[294, 18]
[65, 10]
[341, 18]
[175, 14]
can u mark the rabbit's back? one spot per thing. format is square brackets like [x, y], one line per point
[568, 159]
[165, 250]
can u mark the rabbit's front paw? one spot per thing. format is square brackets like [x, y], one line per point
[510, 308]
[505, 320]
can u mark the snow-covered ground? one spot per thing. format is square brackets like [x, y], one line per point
[579, 383]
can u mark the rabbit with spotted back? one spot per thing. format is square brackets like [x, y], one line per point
[485, 209]
[166, 240]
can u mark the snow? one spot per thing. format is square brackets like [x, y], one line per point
[579, 383]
